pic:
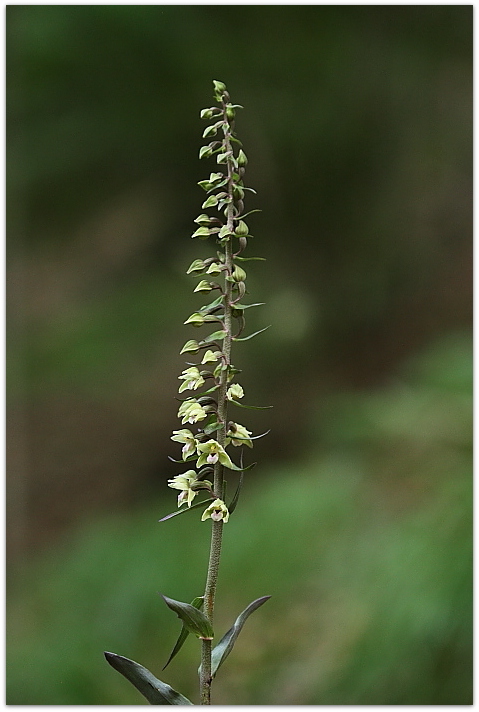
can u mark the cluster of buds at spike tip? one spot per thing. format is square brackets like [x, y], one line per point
[223, 220]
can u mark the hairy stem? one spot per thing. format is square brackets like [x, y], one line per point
[217, 527]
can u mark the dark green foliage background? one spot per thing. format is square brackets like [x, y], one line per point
[357, 124]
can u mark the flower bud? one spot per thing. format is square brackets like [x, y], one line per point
[191, 346]
[239, 275]
[196, 266]
[242, 229]
[219, 87]
[195, 319]
[214, 268]
[206, 113]
[242, 159]
[204, 286]
[202, 232]
[205, 152]
[230, 112]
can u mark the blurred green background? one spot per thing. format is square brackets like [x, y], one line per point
[357, 520]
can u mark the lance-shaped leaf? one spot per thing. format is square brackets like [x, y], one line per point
[155, 691]
[192, 618]
[197, 603]
[225, 646]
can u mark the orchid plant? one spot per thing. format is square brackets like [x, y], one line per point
[215, 389]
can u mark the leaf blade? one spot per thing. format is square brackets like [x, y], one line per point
[193, 619]
[197, 603]
[155, 691]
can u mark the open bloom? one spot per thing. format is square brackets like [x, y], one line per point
[192, 379]
[191, 411]
[210, 453]
[184, 483]
[238, 435]
[235, 391]
[190, 442]
[217, 511]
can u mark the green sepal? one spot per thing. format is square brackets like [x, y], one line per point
[155, 691]
[225, 646]
[247, 338]
[197, 603]
[194, 620]
[186, 509]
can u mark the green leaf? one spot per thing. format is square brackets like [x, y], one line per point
[187, 509]
[225, 646]
[247, 338]
[197, 603]
[193, 619]
[155, 691]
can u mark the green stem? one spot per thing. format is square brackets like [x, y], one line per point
[217, 527]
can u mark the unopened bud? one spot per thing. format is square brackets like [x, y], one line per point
[242, 229]
[219, 86]
[239, 275]
[242, 159]
[196, 266]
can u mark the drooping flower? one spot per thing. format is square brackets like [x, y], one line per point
[192, 379]
[184, 483]
[210, 453]
[238, 435]
[190, 442]
[235, 391]
[191, 411]
[217, 511]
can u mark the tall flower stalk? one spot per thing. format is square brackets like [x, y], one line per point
[213, 389]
